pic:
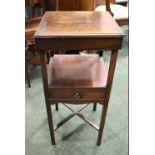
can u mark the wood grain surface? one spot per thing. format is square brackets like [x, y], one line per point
[78, 24]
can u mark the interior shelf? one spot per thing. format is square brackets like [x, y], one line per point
[77, 71]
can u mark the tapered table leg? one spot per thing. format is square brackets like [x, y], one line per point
[45, 86]
[109, 84]
[50, 122]
[102, 123]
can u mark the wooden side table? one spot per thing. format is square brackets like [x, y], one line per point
[75, 30]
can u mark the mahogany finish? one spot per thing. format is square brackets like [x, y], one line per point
[74, 5]
[73, 71]
[81, 5]
[99, 2]
[58, 24]
[31, 26]
[64, 80]
[98, 28]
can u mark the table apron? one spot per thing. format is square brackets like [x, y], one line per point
[78, 43]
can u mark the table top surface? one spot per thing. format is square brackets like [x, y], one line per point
[63, 24]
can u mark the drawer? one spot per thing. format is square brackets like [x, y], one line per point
[77, 94]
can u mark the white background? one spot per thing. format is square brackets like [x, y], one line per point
[141, 77]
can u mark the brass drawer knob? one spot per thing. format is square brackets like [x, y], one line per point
[76, 95]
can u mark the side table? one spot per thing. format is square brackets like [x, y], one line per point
[77, 79]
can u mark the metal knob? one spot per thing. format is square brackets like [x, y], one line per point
[76, 95]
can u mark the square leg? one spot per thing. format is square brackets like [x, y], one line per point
[102, 123]
[50, 123]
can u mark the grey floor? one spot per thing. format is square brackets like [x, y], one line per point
[76, 137]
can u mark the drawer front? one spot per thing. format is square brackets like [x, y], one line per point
[77, 94]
